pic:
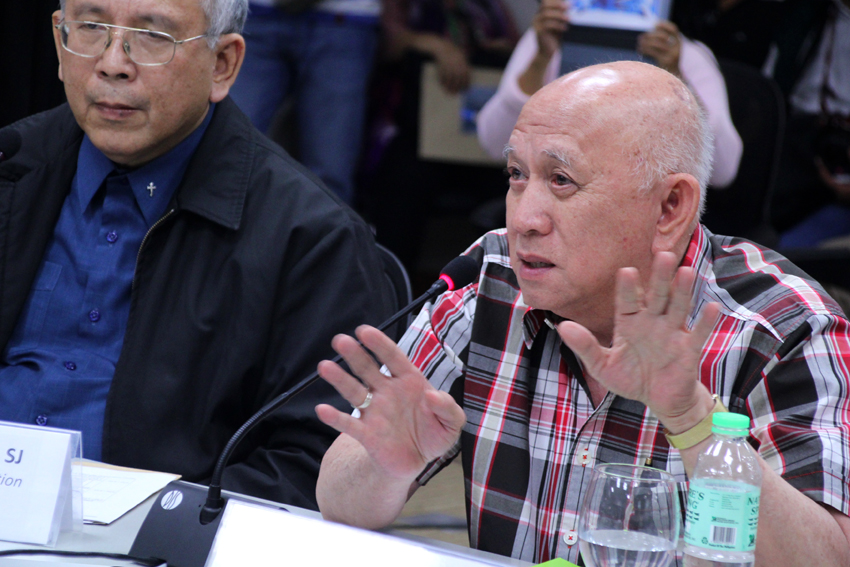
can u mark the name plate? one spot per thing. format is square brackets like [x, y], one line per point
[252, 534]
[40, 490]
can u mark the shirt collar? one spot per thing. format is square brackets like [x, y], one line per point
[698, 257]
[533, 320]
[153, 184]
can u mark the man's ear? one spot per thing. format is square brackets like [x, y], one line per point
[679, 203]
[229, 54]
[57, 40]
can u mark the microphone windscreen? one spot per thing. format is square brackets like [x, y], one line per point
[460, 272]
[10, 143]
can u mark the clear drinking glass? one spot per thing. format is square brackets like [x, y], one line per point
[630, 517]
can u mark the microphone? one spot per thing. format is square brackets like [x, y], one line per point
[177, 533]
[460, 272]
[10, 143]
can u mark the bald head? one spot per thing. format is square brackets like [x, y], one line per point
[647, 116]
[601, 170]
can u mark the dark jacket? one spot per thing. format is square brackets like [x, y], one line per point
[797, 39]
[237, 293]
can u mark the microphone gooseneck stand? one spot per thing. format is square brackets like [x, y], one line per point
[182, 534]
[459, 270]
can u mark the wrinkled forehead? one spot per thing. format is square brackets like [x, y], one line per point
[587, 113]
[622, 102]
[614, 89]
[577, 147]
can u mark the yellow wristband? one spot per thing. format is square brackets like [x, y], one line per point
[698, 432]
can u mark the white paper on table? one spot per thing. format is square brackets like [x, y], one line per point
[109, 492]
[256, 535]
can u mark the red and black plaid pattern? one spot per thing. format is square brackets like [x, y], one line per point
[780, 354]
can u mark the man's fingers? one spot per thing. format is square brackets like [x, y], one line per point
[361, 364]
[340, 421]
[681, 298]
[385, 350]
[446, 410]
[348, 386]
[705, 324]
[658, 294]
[583, 344]
[629, 295]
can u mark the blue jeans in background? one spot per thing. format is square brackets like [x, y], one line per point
[324, 60]
[829, 222]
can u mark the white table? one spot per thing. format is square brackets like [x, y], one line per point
[118, 537]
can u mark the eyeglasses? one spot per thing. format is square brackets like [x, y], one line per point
[143, 47]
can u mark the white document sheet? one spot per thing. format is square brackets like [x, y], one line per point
[109, 492]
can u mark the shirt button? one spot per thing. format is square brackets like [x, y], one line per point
[583, 457]
[570, 538]
[70, 365]
[94, 315]
[41, 420]
[111, 236]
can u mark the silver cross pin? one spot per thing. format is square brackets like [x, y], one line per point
[151, 188]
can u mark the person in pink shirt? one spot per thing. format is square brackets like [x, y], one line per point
[536, 61]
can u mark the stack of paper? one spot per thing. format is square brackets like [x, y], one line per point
[109, 492]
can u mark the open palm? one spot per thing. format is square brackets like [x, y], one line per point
[409, 423]
[653, 358]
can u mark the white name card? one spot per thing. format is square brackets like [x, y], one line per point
[250, 534]
[40, 492]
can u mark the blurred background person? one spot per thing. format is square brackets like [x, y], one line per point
[811, 63]
[740, 30]
[320, 52]
[400, 189]
[536, 61]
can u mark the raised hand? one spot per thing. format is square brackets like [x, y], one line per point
[452, 66]
[663, 45]
[408, 422]
[653, 358]
[549, 23]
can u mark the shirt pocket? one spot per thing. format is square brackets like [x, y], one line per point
[30, 326]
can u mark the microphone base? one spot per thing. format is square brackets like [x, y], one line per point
[173, 531]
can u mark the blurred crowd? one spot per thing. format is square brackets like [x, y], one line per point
[338, 83]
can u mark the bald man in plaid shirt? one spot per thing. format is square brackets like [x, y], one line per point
[606, 325]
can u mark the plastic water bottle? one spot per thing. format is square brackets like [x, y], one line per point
[723, 498]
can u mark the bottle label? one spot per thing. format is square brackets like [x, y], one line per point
[722, 515]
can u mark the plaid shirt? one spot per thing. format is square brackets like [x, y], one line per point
[779, 354]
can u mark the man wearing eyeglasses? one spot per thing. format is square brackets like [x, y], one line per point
[165, 268]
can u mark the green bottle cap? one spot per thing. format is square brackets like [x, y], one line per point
[730, 423]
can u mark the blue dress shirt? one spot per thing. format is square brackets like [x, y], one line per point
[59, 363]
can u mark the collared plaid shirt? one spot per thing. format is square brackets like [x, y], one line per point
[779, 353]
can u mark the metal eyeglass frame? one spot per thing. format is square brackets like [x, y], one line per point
[64, 30]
